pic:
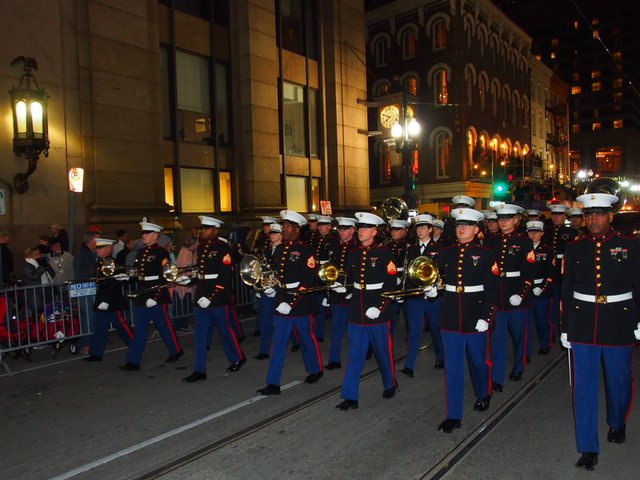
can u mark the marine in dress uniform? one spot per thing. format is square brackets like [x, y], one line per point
[540, 311]
[323, 248]
[213, 301]
[371, 271]
[108, 305]
[151, 306]
[263, 243]
[558, 236]
[449, 231]
[515, 257]
[296, 270]
[576, 219]
[311, 233]
[599, 322]
[399, 246]
[422, 311]
[438, 227]
[338, 295]
[469, 301]
[493, 229]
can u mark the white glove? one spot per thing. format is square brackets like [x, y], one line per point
[284, 308]
[482, 325]
[348, 297]
[430, 292]
[537, 291]
[204, 302]
[636, 332]
[372, 313]
[398, 281]
[270, 292]
[150, 302]
[121, 277]
[103, 306]
[258, 295]
[564, 341]
[338, 287]
[325, 302]
[183, 280]
[400, 300]
[515, 300]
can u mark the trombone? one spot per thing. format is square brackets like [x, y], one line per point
[328, 273]
[170, 272]
[423, 271]
[108, 269]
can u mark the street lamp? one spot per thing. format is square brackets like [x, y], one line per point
[406, 136]
[30, 127]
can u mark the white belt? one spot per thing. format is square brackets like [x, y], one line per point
[510, 274]
[538, 281]
[323, 262]
[603, 298]
[208, 276]
[148, 279]
[559, 255]
[368, 286]
[400, 269]
[292, 285]
[465, 289]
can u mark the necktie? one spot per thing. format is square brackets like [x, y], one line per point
[422, 247]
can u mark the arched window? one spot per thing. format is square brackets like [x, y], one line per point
[441, 91]
[411, 85]
[482, 91]
[525, 112]
[442, 154]
[468, 83]
[514, 109]
[409, 43]
[494, 101]
[481, 41]
[381, 89]
[505, 107]
[439, 35]
[380, 49]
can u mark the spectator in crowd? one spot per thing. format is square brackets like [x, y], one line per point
[131, 256]
[43, 243]
[84, 267]
[36, 271]
[61, 262]
[166, 242]
[123, 239]
[182, 295]
[121, 257]
[6, 258]
[58, 233]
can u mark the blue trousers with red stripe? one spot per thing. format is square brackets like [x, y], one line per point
[618, 387]
[143, 316]
[360, 336]
[539, 320]
[308, 346]
[515, 322]
[476, 347]
[320, 317]
[266, 310]
[419, 309]
[103, 321]
[339, 320]
[206, 320]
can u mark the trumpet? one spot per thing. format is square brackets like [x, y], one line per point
[256, 272]
[423, 271]
[329, 274]
[108, 269]
[170, 272]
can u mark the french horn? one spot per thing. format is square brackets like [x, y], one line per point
[423, 271]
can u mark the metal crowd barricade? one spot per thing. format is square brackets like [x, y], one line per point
[50, 316]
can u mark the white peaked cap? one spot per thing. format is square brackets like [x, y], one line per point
[532, 212]
[507, 209]
[104, 242]
[325, 219]
[399, 224]
[467, 214]
[210, 221]
[597, 200]
[269, 220]
[491, 216]
[558, 208]
[275, 228]
[346, 221]
[423, 218]
[572, 212]
[368, 218]
[294, 217]
[535, 225]
[463, 199]
[152, 227]
[438, 223]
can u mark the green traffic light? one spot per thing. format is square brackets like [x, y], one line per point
[500, 188]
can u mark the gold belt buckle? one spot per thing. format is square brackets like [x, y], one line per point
[601, 299]
[503, 274]
[459, 289]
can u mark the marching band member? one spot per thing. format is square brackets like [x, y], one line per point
[399, 245]
[468, 308]
[310, 235]
[575, 217]
[438, 227]
[296, 269]
[263, 242]
[493, 229]
[152, 306]
[372, 271]
[213, 301]
[599, 322]
[323, 247]
[459, 201]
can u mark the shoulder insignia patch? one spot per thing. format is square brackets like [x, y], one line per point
[391, 268]
[311, 263]
[226, 259]
[494, 269]
[531, 257]
[562, 267]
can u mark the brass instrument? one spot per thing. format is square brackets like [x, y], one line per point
[256, 272]
[610, 186]
[329, 274]
[423, 271]
[170, 272]
[394, 208]
[108, 269]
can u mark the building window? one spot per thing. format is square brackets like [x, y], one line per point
[442, 154]
[596, 73]
[165, 93]
[408, 44]
[297, 193]
[194, 104]
[617, 97]
[411, 85]
[222, 105]
[539, 57]
[596, 126]
[224, 188]
[555, 42]
[540, 126]
[314, 132]
[596, 86]
[381, 89]
[482, 91]
[617, 56]
[576, 25]
[168, 187]
[384, 160]
[575, 128]
[553, 55]
[439, 35]
[595, 34]
[576, 90]
[291, 24]
[618, 123]
[576, 77]
[315, 194]
[196, 190]
[609, 161]
[494, 102]
[441, 89]
[576, 115]
[468, 84]
[295, 139]
[533, 125]
[380, 49]
[617, 83]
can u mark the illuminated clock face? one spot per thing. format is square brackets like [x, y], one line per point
[389, 115]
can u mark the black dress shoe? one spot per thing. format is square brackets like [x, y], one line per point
[261, 356]
[449, 425]
[438, 365]
[617, 436]
[587, 460]
[347, 405]
[496, 387]
[313, 377]
[390, 392]
[270, 389]
[174, 358]
[295, 348]
[516, 377]
[92, 358]
[195, 377]
[543, 351]
[333, 366]
[407, 371]
[129, 367]
[256, 333]
[482, 405]
[235, 366]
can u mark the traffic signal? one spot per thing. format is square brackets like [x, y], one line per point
[500, 189]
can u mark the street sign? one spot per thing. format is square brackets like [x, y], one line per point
[83, 289]
[3, 205]
[325, 207]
